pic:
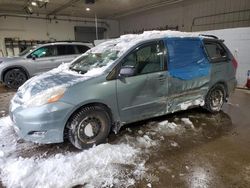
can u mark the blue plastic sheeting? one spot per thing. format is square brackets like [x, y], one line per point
[186, 58]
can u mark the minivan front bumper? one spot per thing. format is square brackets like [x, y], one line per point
[44, 124]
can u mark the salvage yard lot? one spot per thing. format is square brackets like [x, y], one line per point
[188, 149]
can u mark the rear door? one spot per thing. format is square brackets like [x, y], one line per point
[188, 73]
[66, 53]
[143, 95]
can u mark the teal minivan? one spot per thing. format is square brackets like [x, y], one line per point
[124, 80]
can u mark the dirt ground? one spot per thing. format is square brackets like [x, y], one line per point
[213, 153]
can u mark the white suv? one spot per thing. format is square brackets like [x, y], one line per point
[14, 71]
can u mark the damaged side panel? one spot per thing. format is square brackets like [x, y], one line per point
[183, 94]
[188, 73]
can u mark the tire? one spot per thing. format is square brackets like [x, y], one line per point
[215, 98]
[14, 78]
[89, 126]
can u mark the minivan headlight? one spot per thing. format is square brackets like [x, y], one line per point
[48, 96]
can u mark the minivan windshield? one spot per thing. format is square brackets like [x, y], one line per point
[92, 60]
[27, 50]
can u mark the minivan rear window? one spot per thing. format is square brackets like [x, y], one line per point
[215, 51]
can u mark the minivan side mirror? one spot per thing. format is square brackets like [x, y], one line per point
[127, 71]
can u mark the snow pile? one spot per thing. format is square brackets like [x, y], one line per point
[197, 102]
[145, 141]
[174, 144]
[98, 70]
[187, 121]
[156, 132]
[124, 42]
[106, 165]
[9, 139]
[168, 128]
[100, 166]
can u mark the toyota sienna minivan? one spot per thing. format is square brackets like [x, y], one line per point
[132, 78]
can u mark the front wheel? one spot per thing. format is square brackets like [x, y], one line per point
[215, 98]
[14, 78]
[89, 126]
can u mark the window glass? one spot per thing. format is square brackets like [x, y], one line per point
[47, 51]
[91, 60]
[146, 59]
[27, 50]
[215, 51]
[82, 49]
[66, 49]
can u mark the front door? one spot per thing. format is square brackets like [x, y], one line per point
[143, 95]
[44, 59]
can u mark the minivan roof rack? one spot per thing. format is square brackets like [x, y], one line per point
[211, 36]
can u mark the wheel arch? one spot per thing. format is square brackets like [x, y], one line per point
[224, 84]
[14, 67]
[100, 104]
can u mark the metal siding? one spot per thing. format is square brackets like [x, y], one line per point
[183, 13]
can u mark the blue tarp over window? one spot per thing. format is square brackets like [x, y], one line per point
[186, 58]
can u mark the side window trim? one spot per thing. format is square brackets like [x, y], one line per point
[217, 60]
[137, 48]
[65, 46]
[78, 51]
[48, 46]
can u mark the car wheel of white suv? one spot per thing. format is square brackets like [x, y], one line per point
[14, 78]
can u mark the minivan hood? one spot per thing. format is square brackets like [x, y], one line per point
[47, 81]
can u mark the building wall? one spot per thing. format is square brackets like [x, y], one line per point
[190, 15]
[214, 16]
[35, 29]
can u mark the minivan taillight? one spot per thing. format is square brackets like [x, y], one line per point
[235, 63]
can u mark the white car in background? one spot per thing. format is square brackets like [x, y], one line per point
[14, 71]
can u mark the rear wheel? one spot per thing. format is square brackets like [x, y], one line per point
[89, 126]
[215, 98]
[14, 78]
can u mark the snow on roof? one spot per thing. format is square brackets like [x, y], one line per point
[124, 42]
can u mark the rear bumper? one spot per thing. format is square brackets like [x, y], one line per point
[44, 124]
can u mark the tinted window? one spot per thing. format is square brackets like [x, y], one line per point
[66, 49]
[47, 51]
[215, 51]
[82, 49]
[146, 59]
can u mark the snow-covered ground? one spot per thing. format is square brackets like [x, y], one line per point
[120, 164]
